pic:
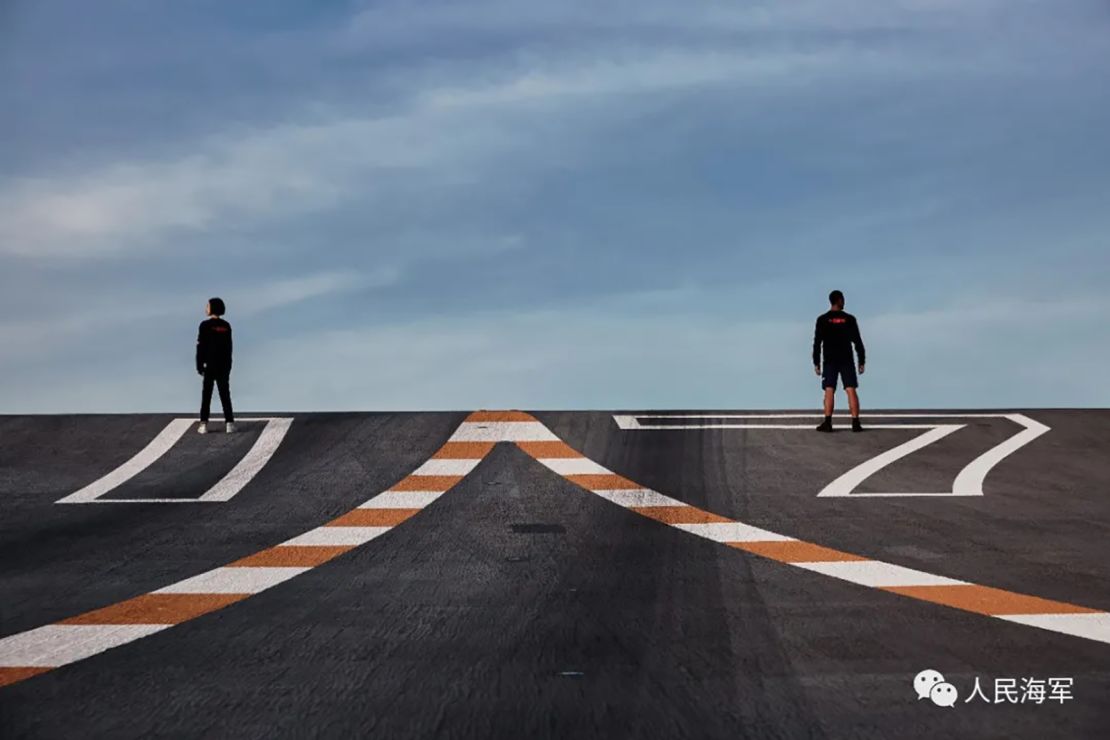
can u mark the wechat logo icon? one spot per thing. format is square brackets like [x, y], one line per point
[930, 684]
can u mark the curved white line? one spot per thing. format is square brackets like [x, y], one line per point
[239, 476]
[970, 480]
[140, 462]
[260, 453]
[845, 484]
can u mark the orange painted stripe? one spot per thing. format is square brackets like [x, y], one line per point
[16, 674]
[603, 482]
[373, 518]
[986, 600]
[679, 515]
[795, 551]
[541, 450]
[427, 483]
[500, 416]
[463, 451]
[292, 556]
[157, 609]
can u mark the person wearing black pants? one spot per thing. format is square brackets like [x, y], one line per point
[214, 364]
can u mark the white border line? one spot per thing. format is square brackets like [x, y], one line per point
[845, 484]
[259, 454]
[969, 481]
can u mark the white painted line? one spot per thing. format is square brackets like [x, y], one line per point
[909, 494]
[60, 644]
[687, 427]
[625, 421]
[970, 480]
[503, 431]
[140, 462]
[574, 466]
[864, 416]
[147, 501]
[439, 492]
[461, 466]
[845, 484]
[260, 453]
[638, 497]
[338, 536]
[732, 532]
[232, 581]
[1090, 626]
[877, 574]
[401, 500]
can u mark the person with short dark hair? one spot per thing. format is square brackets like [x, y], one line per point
[214, 364]
[835, 334]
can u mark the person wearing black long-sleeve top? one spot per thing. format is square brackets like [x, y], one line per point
[836, 333]
[214, 364]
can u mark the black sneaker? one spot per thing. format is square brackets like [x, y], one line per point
[856, 426]
[825, 426]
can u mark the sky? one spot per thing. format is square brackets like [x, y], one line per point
[444, 204]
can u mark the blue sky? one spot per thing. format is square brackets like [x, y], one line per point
[450, 205]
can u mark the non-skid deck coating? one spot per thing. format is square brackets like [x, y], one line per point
[403, 575]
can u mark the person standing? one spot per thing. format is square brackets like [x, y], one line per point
[214, 364]
[835, 334]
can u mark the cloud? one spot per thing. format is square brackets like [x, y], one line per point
[29, 337]
[452, 126]
[275, 174]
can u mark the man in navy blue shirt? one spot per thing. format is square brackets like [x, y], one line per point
[836, 333]
[214, 364]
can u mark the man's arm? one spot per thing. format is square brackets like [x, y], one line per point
[200, 350]
[230, 354]
[857, 340]
[817, 344]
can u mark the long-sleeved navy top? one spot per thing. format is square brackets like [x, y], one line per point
[214, 346]
[837, 332]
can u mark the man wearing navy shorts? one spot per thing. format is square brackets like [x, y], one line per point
[836, 333]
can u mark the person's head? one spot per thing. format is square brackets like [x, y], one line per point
[216, 307]
[836, 300]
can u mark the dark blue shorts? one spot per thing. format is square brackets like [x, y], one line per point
[845, 370]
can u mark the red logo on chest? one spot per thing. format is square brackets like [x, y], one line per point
[838, 321]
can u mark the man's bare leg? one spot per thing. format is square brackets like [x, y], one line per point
[826, 425]
[853, 405]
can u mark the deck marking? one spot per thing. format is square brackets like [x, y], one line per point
[158, 446]
[401, 500]
[259, 454]
[336, 536]
[237, 580]
[969, 481]
[877, 574]
[244, 471]
[33, 652]
[30, 653]
[846, 483]
[1032, 611]
[1090, 626]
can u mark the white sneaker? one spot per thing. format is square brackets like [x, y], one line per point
[230, 427]
[202, 429]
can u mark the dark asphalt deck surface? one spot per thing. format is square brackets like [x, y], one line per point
[470, 621]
